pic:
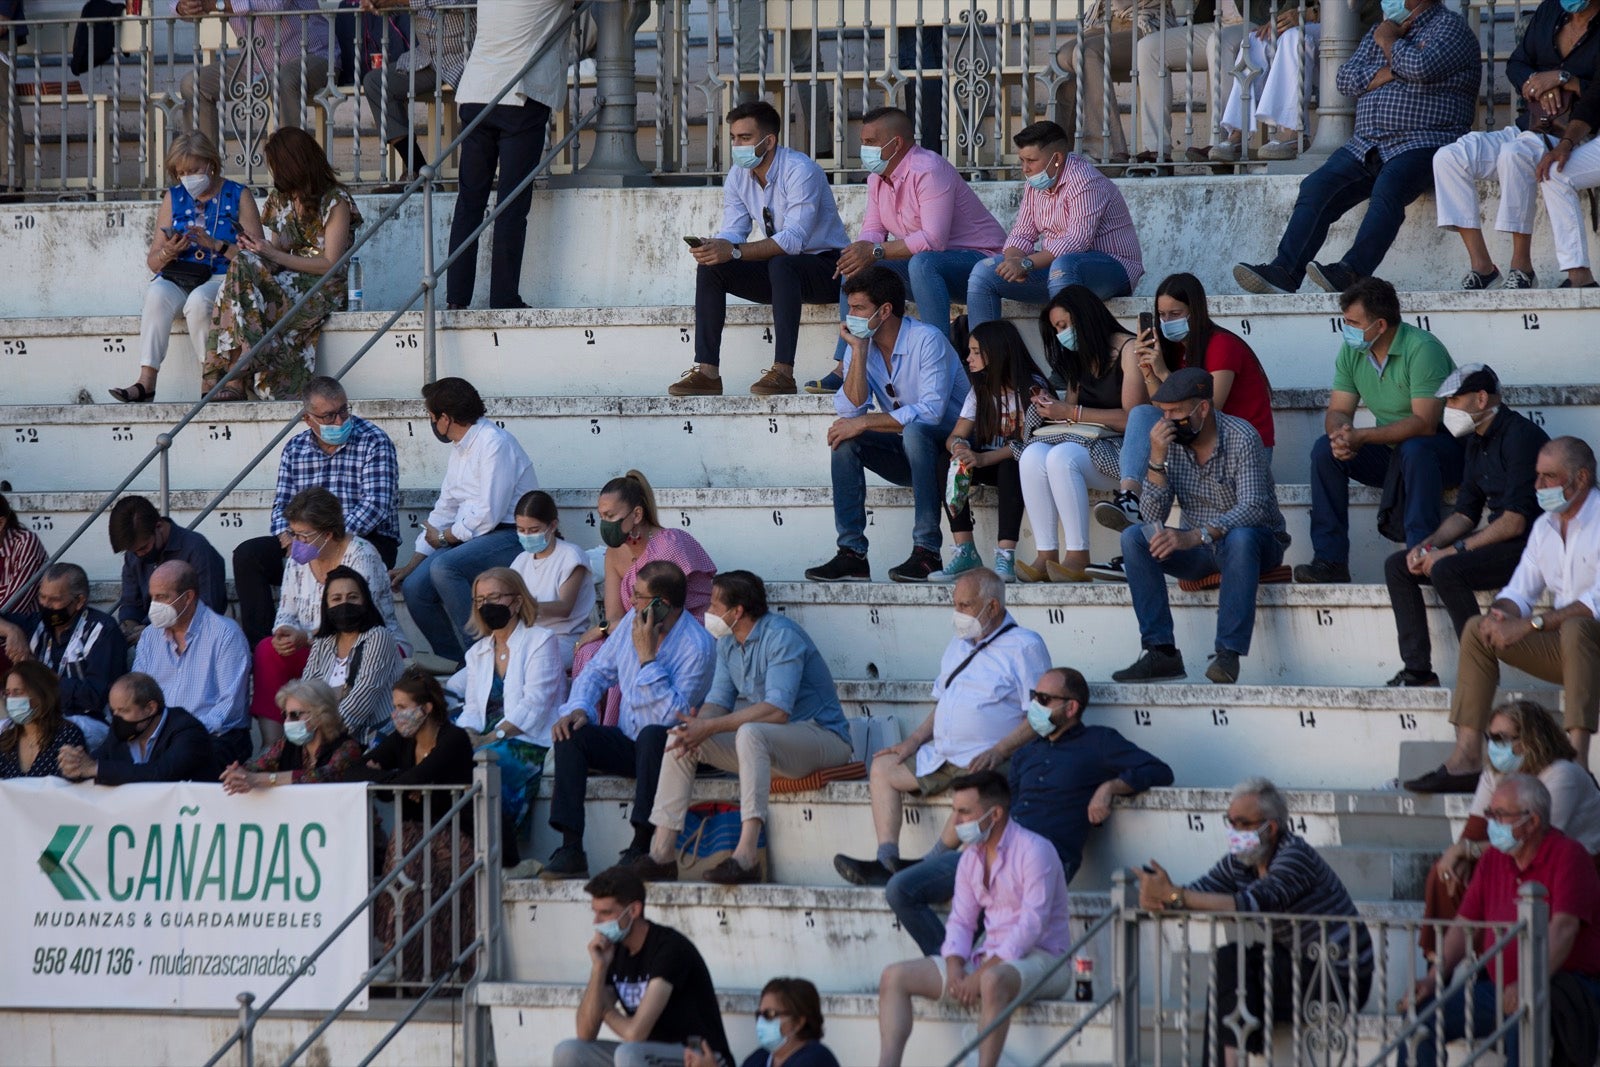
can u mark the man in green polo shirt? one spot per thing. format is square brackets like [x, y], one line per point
[1395, 370]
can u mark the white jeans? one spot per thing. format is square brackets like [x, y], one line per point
[162, 302]
[1278, 95]
[1509, 155]
[1561, 204]
[1163, 58]
[1056, 480]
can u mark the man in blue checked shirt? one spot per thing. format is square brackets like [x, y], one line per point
[908, 371]
[1415, 79]
[350, 458]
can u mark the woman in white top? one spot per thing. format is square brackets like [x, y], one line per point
[556, 572]
[513, 685]
[356, 655]
[1524, 738]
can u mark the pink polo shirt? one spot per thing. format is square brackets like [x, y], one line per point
[927, 204]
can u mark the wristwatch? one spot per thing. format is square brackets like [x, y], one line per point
[1565, 77]
[877, 252]
[1027, 264]
[272, 779]
[1205, 534]
[1159, 468]
[500, 734]
[738, 251]
[1537, 622]
[1460, 545]
[1175, 899]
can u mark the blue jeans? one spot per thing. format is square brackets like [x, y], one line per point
[1339, 185]
[913, 892]
[933, 279]
[1097, 270]
[439, 592]
[916, 458]
[1136, 441]
[1428, 465]
[1241, 557]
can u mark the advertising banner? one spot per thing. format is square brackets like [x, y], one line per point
[178, 895]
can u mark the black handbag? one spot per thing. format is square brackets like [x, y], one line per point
[186, 274]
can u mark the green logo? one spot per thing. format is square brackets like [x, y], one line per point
[57, 862]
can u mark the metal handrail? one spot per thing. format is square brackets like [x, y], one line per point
[423, 182]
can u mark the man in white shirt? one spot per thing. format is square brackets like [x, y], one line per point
[511, 135]
[911, 373]
[979, 718]
[473, 525]
[1559, 645]
[787, 194]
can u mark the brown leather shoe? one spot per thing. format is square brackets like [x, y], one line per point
[693, 383]
[779, 381]
[651, 871]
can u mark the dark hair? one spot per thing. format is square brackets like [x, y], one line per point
[45, 688]
[800, 999]
[1187, 290]
[1376, 296]
[133, 518]
[76, 577]
[300, 168]
[634, 490]
[895, 116]
[1007, 378]
[991, 786]
[1041, 135]
[318, 509]
[1073, 682]
[742, 589]
[143, 689]
[371, 618]
[538, 504]
[619, 883]
[8, 518]
[666, 580]
[882, 286]
[422, 687]
[1095, 326]
[766, 116]
[455, 397]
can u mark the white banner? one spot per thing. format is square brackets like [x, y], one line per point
[178, 895]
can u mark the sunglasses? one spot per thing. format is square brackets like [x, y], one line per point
[1505, 739]
[1047, 699]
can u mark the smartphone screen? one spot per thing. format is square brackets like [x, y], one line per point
[1147, 321]
[694, 242]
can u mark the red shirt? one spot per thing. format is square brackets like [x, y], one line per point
[1567, 873]
[1250, 398]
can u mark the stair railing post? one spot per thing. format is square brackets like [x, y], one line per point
[1125, 970]
[430, 282]
[1533, 970]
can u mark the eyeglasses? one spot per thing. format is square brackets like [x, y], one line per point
[493, 598]
[309, 538]
[1505, 739]
[770, 1015]
[1243, 824]
[296, 716]
[1509, 817]
[768, 221]
[1047, 699]
[330, 419]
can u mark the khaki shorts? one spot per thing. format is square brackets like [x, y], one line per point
[1030, 969]
[931, 785]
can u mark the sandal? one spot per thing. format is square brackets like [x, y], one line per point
[137, 393]
[229, 393]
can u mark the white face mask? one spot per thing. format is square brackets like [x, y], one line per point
[195, 184]
[163, 616]
[970, 833]
[1461, 423]
[717, 626]
[967, 626]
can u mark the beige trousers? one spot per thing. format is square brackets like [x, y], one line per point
[1570, 656]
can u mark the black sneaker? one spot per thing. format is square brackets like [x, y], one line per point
[1263, 278]
[1322, 572]
[1153, 666]
[917, 566]
[1107, 572]
[845, 566]
[1442, 780]
[1118, 514]
[1414, 679]
[568, 861]
[1224, 667]
[861, 872]
[1333, 277]
[632, 854]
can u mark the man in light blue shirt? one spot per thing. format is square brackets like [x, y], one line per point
[906, 370]
[787, 194]
[772, 707]
[200, 660]
[661, 660]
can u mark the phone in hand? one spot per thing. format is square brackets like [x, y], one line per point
[1147, 322]
[655, 611]
[694, 242]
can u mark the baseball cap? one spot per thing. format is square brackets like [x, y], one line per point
[1473, 378]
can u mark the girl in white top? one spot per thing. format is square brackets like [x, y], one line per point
[556, 572]
[321, 543]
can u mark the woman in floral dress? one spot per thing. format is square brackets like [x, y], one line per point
[308, 223]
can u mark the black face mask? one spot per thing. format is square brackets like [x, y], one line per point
[127, 730]
[56, 618]
[495, 616]
[433, 424]
[1185, 432]
[347, 618]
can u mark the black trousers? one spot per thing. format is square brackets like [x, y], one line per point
[512, 139]
[604, 750]
[1008, 476]
[1457, 579]
[258, 569]
[232, 746]
[1233, 958]
[785, 282]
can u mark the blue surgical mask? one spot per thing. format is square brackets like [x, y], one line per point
[746, 156]
[296, 732]
[1502, 757]
[1356, 337]
[1502, 837]
[859, 325]
[1553, 498]
[1039, 719]
[1572, 7]
[19, 710]
[534, 542]
[970, 833]
[612, 930]
[1394, 10]
[872, 158]
[336, 435]
[1068, 338]
[1175, 329]
[769, 1033]
[1041, 179]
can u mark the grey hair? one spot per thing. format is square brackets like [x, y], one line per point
[315, 694]
[990, 587]
[323, 386]
[1532, 796]
[75, 577]
[1273, 807]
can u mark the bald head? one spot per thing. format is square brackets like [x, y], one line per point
[176, 584]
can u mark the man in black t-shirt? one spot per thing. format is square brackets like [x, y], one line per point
[647, 982]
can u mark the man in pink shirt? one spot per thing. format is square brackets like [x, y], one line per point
[923, 222]
[1011, 880]
[1076, 218]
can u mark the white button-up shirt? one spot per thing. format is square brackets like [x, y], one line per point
[923, 381]
[977, 709]
[1568, 569]
[805, 217]
[487, 475]
[509, 31]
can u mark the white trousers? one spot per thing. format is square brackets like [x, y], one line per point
[1509, 155]
[162, 302]
[1056, 480]
[1163, 58]
[1277, 96]
[1566, 213]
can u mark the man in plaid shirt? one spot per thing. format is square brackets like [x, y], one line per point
[1216, 468]
[1415, 81]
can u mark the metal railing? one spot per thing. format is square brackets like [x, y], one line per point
[446, 883]
[1332, 990]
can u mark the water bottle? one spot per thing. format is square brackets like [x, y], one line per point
[353, 291]
[1083, 992]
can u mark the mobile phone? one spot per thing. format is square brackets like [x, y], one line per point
[655, 611]
[693, 1041]
[1147, 322]
[694, 242]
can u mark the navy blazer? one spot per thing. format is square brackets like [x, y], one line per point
[181, 752]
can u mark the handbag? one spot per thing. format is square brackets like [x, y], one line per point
[1551, 121]
[187, 274]
[710, 834]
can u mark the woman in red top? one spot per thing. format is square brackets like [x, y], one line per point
[1239, 383]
